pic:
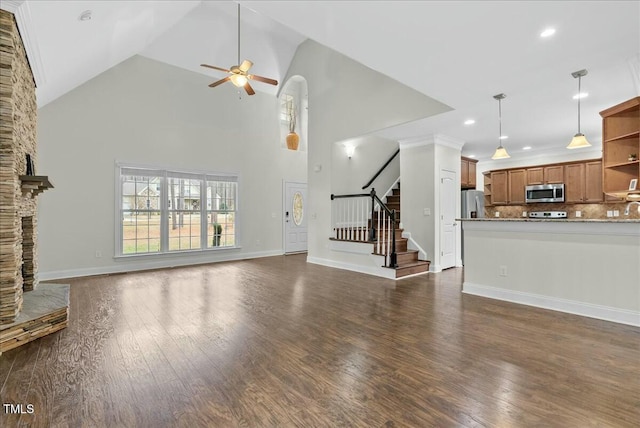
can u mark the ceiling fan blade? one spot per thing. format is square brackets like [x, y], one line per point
[262, 79]
[215, 68]
[245, 66]
[219, 82]
[249, 89]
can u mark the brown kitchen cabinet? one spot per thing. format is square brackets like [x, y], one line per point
[499, 188]
[582, 179]
[553, 174]
[583, 183]
[517, 180]
[468, 173]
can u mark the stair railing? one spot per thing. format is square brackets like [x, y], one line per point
[381, 169]
[363, 217]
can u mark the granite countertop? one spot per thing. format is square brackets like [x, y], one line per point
[556, 220]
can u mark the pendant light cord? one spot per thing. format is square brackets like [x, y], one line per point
[500, 122]
[238, 34]
[579, 96]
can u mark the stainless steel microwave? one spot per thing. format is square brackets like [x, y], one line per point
[544, 193]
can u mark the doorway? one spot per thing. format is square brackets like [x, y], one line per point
[295, 217]
[448, 226]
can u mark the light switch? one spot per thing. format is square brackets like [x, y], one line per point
[427, 211]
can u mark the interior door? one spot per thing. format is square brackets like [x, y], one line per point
[295, 217]
[448, 226]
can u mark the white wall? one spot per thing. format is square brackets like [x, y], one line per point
[346, 100]
[371, 152]
[147, 112]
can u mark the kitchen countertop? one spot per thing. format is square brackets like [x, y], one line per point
[556, 220]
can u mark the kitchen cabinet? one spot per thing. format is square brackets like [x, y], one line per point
[582, 179]
[499, 188]
[468, 173]
[593, 182]
[583, 183]
[620, 142]
[574, 183]
[516, 181]
[553, 174]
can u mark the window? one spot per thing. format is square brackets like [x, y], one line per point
[165, 211]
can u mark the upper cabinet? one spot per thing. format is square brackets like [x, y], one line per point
[468, 173]
[621, 147]
[582, 180]
[552, 174]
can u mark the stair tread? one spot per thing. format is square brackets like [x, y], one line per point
[412, 264]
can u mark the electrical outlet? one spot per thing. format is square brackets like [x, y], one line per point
[616, 213]
[502, 271]
[98, 254]
[578, 213]
[427, 211]
[497, 214]
[524, 213]
[609, 213]
[258, 243]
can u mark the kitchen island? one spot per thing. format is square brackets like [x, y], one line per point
[581, 266]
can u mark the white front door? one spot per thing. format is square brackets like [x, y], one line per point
[448, 198]
[295, 217]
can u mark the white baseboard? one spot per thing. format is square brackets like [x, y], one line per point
[607, 313]
[375, 271]
[133, 265]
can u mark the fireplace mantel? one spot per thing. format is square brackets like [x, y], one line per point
[34, 184]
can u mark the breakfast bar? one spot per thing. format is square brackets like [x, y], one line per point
[586, 267]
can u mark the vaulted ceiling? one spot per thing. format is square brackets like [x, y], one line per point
[461, 53]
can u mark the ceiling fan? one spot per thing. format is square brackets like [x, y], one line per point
[239, 74]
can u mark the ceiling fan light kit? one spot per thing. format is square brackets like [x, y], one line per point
[501, 152]
[239, 74]
[579, 140]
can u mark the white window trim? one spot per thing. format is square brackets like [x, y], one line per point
[201, 174]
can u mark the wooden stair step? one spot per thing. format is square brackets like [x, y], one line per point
[419, 266]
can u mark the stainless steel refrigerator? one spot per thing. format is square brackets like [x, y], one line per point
[472, 201]
[472, 206]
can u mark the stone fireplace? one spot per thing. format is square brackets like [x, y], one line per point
[19, 188]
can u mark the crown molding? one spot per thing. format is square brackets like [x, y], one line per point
[427, 140]
[11, 5]
[22, 13]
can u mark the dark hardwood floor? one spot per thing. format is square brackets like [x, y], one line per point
[277, 342]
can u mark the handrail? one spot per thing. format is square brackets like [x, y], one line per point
[393, 257]
[381, 169]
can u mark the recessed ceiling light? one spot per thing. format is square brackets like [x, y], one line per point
[504, 137]
[548, 32]
[581, 95]
[471, 156]
[469, 122]
[526, 148]
[85, 16]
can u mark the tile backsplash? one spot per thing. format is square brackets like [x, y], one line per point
[588, 211]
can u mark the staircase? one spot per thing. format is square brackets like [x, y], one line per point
[407, 262]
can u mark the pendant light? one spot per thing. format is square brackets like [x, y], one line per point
[579, 140]
[501, 152]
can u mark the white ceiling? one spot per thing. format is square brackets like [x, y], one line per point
[458, 52]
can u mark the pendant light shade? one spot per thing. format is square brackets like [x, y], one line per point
[501, 152]
[579, 140]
